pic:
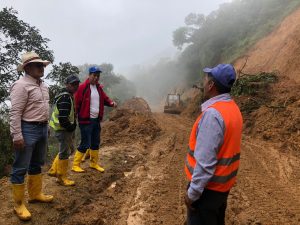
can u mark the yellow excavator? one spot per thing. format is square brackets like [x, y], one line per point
[173, 104]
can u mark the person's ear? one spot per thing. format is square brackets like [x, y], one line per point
[210, 84]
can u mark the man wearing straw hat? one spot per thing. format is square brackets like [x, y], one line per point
[29, 115]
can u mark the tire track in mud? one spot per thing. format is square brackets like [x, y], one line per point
[166, 184]
[268, 186]
[100, 205]
[174, 180]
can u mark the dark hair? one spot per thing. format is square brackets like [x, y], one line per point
[94, 73]
[220, 87]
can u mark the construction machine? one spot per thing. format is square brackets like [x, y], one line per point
[173, 104]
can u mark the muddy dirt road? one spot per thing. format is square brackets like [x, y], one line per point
[268, 187]
[144, 182]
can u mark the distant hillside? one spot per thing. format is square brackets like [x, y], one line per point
[220, 37]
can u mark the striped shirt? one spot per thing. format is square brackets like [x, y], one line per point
[64, 108]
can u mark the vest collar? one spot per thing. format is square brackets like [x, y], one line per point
[219, 98]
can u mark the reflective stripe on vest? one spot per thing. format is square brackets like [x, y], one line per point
[229, 154]
[54, 122]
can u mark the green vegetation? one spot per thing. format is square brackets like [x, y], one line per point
[6, 154]
[207, 40]
[58, 74]
[17, 37]
[227, 33]
[248, 84]
[253, 90]
[219, 37]
[116, 86]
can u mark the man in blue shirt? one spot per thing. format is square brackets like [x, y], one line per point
[214, 149]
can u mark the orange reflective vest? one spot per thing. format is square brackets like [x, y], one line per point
[229, 154]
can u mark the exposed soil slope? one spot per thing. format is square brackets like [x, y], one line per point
[279, 51]
[276, 120]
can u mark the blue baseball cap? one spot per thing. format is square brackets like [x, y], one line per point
[95, 69]
[223, 73]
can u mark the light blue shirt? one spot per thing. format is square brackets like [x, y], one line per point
[210, 137]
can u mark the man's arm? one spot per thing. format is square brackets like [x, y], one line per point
[18, 98]
[78, 98]
[107, 100]
[210, 137]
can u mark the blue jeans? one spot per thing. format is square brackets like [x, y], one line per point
[32, 157]
[90, 135]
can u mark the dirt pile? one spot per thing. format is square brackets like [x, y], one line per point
[192, 99]
[137, 105]
[131, 122]
[270, 104]
[278, 119]
[275, 115]
[192, 108]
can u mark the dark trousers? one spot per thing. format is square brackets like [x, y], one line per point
[209, 209]
[66, 143]
[90, 135]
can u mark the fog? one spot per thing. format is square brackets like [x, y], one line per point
[120, 32]
[133, 35]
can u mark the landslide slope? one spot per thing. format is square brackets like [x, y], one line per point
[279, 51]
[277, 118]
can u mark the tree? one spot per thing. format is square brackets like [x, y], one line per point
[58, 74]
[225, 34]
[181, 36]
[123, 89]
[17, 37]
[184, 35]
[205, 41]
[6, 156]
[116, 86]
[108, 76]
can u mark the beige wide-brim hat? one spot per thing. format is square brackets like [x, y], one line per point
[30, 57]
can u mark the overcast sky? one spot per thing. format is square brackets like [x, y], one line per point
[121, 32]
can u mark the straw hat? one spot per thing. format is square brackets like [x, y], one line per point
[30, 57]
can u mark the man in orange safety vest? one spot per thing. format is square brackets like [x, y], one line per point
[213, 154]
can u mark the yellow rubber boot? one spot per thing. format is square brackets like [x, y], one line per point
[18, 196]
[77, 160]
[34, 185]
[62, 173]
[94, 160]
[86, 155]
[53, 170]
